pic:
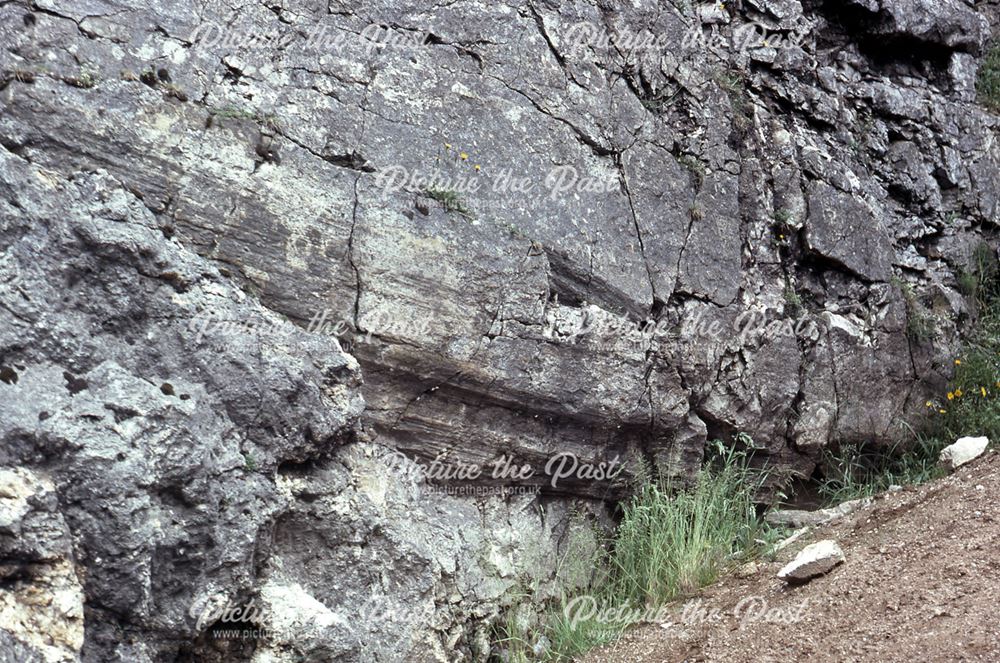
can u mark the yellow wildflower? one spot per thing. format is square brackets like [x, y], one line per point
[958, 362]
[942, 411]
[464, 156]
[958, 393]
[983, 391]
[447, 146]
[478, 167]
[951, 396]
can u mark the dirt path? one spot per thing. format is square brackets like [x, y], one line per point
[921, 583]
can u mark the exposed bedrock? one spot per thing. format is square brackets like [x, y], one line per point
[257, 261]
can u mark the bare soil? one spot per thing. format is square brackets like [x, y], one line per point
[921, 583]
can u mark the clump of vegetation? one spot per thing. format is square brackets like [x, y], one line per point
[734, 83]
[783, 216]
[988, 85]
[695, 165]
[852, 471]
[980, 280]
[793, 300]
[249, 463]
[655, 103]
[969, 407]
[671, 542]
[450, 200]
[782, 228]
[920, 325]
[267, 120]
[85, 79]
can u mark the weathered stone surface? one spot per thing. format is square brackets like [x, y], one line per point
[843, 229]
[665, 241]
[964, 450]
[204, 462]
[813, 560]
[949, 23]
[41, 600]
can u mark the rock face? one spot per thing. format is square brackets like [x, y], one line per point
[964, 450]
[186, 466]
[41, 605]
[534, 229]
[814, 560]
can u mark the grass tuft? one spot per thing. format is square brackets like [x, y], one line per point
[671, 542]
[450, 200]
[988, 84]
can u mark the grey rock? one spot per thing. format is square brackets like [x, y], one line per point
[845, 230]
[950, 23]
[665, 242]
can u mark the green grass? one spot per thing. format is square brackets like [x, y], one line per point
[854, 471]
[988, 85]
[970, 406]
[670, 543]
[734, 83]
[450, 200]
[695, 165]
[793, 300]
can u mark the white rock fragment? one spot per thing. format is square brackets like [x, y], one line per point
[964, 450]
[801, 518]
[796, 535]
[814, 560]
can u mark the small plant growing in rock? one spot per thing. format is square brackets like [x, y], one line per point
[783, 217]
[988, 85]
[793, 300]
[450, 200]
[980, 278]
[734, 83]
[781, 229]
[249, 463]
[693, 164]
[920, 326]
[85, 79]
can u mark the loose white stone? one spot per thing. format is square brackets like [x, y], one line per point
[814, 560]
[964, 450]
